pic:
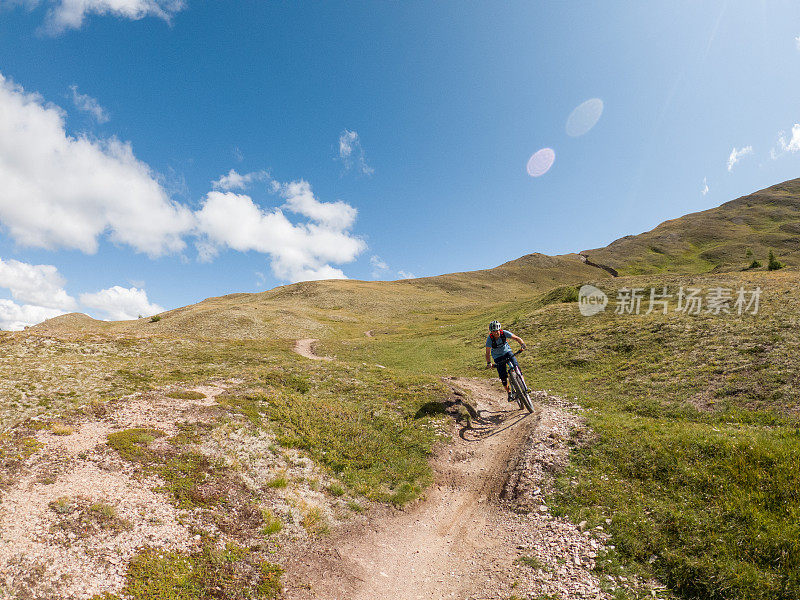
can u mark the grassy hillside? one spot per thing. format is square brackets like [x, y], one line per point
[717, 239]
[695, 424]
[338, 307]
[694, 418]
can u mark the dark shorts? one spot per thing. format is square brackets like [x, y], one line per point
[500, 365]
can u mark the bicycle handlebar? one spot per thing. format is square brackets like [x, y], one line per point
[515, 353]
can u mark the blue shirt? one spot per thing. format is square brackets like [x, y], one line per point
[501, 347]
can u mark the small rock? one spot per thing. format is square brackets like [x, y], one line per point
[582, 525]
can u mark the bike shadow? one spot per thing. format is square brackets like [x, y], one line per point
[487, 423]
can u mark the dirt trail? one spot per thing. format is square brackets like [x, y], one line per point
[448, 546]
[305, 347]
[463, 541]
[430, 552]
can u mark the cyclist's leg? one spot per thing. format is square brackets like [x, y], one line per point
[502, 370]
[502, 373]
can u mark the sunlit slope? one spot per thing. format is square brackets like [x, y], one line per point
[691, 463]
[343, 308]
[717, 239]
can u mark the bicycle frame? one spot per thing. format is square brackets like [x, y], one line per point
[520, 388]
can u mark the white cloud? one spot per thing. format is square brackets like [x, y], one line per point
[792, 145]
[118, 303]
[40, 285]
[704, 191]
[88, 104]
[234, 181]
[351, 154]
[15, 317]
[58, 191]
[40, 288]
[298, 252]
[300, 199]
[379, 267]
[736, 155]
[70, 14]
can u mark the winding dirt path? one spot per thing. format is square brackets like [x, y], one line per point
[305, 347]
[430, 552]
[447, 546]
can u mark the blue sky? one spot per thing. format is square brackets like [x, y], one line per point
[154, 153]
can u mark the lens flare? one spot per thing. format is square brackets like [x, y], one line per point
[584, 117]
[541, 161]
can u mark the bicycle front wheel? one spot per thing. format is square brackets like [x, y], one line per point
[521, 390]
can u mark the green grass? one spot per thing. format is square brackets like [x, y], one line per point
[358, 422]
[278, 482]
[183, 471]
[336, 490]
[132, 444]
[712, 510]
[234, 573]
[355, 506]
[272, 524]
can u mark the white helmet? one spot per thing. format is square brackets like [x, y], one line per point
[495, 326]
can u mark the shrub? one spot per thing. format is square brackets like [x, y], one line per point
[278, 482]
[61, 429]
[272, 524]
[774, 264]
[336, 490]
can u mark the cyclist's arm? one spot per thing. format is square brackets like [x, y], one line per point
[488, 357]
[519, 340]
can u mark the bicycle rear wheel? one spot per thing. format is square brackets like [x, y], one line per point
[520, 389]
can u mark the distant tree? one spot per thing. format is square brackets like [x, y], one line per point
[773, 264]
[754, 265]
[749, 253]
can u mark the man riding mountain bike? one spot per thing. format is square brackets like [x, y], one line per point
[499, 350]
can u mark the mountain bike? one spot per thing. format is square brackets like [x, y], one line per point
[520, 392]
